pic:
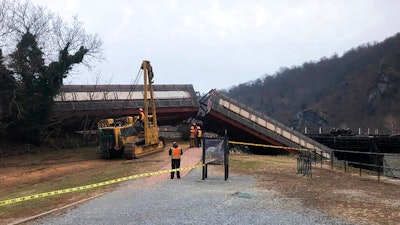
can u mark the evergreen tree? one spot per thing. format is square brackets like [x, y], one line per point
[37, 86]
[8, 109]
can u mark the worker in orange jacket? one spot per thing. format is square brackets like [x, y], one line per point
[175, 152]
[199, 135]
[141, 117]
[193, 135]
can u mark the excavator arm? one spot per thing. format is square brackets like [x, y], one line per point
[121, 137]
[150, 122]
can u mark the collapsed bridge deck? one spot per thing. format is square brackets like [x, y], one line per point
[177, 103]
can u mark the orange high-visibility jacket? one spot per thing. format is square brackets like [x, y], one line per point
[192, 132]
[199, 131]
[175, 153]
[141, 115]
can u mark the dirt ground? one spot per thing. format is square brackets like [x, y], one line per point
[362, 200]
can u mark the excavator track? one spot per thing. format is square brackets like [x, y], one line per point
[135, 151]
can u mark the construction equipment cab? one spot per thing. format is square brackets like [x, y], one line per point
[128, 137]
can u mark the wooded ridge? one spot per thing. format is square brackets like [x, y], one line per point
[357, 90]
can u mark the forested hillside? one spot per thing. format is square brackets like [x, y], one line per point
[357, 90]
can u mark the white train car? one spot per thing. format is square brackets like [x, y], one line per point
[79, 93]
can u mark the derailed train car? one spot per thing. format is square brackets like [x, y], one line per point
[76, 102]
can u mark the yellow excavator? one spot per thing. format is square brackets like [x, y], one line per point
[133, 137]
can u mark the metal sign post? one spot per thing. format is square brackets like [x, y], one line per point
[215, 152]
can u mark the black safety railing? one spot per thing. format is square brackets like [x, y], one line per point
[304, 163]
[363, 163]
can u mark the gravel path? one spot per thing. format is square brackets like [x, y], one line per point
[159, 200]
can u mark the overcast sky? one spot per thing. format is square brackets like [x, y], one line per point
[222, 43]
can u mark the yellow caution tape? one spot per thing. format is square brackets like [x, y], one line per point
[85, 187]
[268, 146]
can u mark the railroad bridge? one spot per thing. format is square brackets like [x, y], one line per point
[175, 104]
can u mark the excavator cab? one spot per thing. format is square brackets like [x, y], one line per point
[128, 138]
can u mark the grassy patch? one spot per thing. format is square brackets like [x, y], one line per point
[260, 163]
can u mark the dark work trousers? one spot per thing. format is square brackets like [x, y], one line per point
[175, 164]
[198, 141]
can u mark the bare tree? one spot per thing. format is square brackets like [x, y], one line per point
[52, 33]
[39, 51]
[4, 15]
